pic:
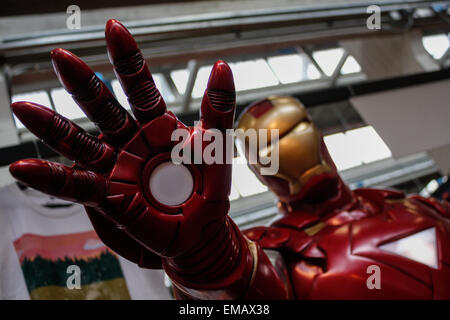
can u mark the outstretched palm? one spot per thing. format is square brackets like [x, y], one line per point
[139, 202]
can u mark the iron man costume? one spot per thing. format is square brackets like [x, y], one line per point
[159, 214]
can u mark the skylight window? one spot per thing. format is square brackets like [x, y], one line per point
[234, 194]
[201, 81]
[436, 45]
[163, 87]
[341, 151]
[120, 95]
[328, 59]
[368, 144]
[350, 66]
[423, 13]
[39, 97]
[356, 147]
[253, 74]
[291, 68]
[248, 75]
[180, 78]
[65, 105]
[244, 179]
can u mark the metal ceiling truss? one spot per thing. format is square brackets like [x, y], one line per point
[172, 43]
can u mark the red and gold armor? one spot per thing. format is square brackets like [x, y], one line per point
[158, 214]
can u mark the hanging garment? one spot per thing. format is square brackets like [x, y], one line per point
[49, 250]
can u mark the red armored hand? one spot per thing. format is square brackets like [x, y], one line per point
[141, 204]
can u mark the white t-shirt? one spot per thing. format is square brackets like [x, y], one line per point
[38, 243]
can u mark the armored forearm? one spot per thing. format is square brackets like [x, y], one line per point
[226, 266]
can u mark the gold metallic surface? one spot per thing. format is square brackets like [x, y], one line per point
[254, 252]
[299, 143]
[315, 228]
[299, 150]
[314, 171]
[286, 113]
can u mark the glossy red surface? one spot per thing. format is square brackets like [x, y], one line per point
[65, 137]
[332, 263]
[131, 70]
[93, 97]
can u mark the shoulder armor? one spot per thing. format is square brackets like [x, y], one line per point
[279, 238]
[442, 208]
[374, 199]
[268, 237]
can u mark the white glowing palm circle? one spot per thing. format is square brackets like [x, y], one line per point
[171, 184]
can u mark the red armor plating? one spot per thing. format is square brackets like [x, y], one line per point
[326, 243]
[112, 172]
[332, 263]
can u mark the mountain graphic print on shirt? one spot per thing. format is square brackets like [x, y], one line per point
[45, 261]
